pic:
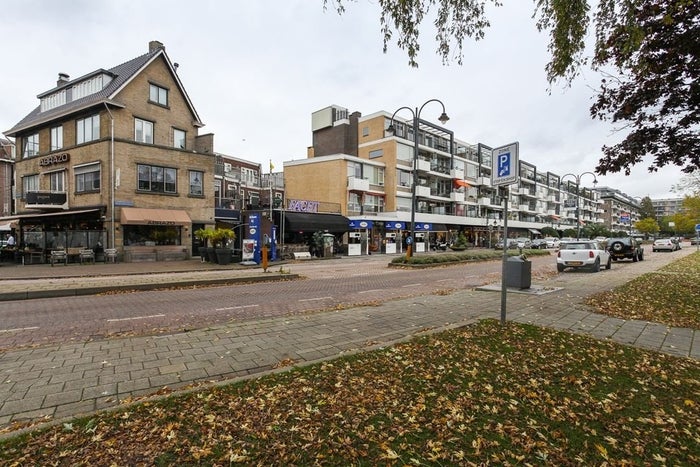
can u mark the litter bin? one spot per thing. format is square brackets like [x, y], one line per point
[518, 272]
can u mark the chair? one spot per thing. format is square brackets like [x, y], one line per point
[111, 255]
[87, 255]
[58, 256]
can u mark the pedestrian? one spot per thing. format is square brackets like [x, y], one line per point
[10, 241]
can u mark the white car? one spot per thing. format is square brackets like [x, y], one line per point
[583, 254]
[552, 242]
[663, 244]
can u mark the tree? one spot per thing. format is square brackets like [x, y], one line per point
[651, 44]
[689, 183]
[647, 226]
[646, 209]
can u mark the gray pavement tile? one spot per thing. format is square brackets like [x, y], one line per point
[100, 390]
[20, 406]
[83, 407]
[63, 397]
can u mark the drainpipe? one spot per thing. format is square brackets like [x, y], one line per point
[111, 174]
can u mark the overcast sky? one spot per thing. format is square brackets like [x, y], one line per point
[256, 70]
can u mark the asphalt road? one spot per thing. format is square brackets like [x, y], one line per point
[326, 285]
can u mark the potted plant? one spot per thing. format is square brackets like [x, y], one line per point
[220, 239]
[203, 235]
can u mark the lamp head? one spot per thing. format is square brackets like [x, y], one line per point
[391, 128]
[443, 118]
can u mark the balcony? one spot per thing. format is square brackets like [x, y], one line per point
[423, 191]
[457, 197]
[486, 181]
[46, 199]
[358, 184]
[457, 173]
[423, 166]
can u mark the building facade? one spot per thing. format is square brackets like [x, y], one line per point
[374, 185]
[7, 161]
[114, 159]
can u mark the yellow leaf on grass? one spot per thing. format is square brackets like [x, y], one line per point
[603, 452]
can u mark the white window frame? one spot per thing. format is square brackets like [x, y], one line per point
[196, 182]
[31, 145]
[179, 138]
[143, 131]
[87, 178]
[30, 183]
[158, 94]
[87, 129]
[56, 137]
[57, 181]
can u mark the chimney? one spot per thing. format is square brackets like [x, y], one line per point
[155, 45]
[63, 78]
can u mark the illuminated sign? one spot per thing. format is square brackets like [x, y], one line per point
[54, 159]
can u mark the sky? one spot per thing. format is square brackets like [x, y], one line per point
[256, 71]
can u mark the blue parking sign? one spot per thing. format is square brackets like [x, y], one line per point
[504, 164]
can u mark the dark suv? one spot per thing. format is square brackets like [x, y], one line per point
[625, 248]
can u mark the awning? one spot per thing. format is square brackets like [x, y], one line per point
[141, 216]
[463, 183]
[314, 222]
[535, 231]
[439, 228]
[37, 215]
[6, 225]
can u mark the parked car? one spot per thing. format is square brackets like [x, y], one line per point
[695, 241]
[625, 248]
[583, 254]
[539, 244]
[523, 242]
[552, 242]
[663, 244]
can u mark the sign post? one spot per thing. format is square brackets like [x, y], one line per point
[697, 236]
[505, 170]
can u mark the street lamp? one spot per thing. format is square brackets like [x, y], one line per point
[443, 118]
[578, 197]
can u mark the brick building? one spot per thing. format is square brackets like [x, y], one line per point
[114, 159]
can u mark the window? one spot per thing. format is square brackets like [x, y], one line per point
[56, 138]
[31, 145]
[87, 178]
[88, 129]
[365, 131]
[143, 131]
[374, 203]
[179, 138]
[376, 153]
[30, 183]
[196, 182]
[158, 95]
[157, 179]
[375, 175]
[56, 181]
[354, 169]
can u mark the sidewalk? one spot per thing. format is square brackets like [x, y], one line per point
[54, 382]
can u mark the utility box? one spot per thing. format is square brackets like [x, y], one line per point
[518, 273]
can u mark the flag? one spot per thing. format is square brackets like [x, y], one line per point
[271, 166]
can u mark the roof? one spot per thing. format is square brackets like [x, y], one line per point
[122, 75]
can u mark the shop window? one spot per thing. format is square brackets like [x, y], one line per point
[151, 235]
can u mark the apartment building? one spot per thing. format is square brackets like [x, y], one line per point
[667, 207]
[370, 171]
[114, 159]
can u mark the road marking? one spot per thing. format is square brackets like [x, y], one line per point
[445, 280]
[411, 285]
[135, 317]
[235, 307]
[314, 299]
[372, 290]
[19, 329]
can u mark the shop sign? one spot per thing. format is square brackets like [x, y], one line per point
[54, 159]
[161, 223]
[300, 205]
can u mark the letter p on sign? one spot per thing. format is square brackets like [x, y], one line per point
[504, 164]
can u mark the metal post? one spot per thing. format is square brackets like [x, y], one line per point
[504, 290]
[416, 114]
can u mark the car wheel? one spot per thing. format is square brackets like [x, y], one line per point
[641, 256]
[634, 257]
[560, 267]
[596, 265]
[608, 265]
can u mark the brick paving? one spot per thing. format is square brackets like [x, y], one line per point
[56, 381]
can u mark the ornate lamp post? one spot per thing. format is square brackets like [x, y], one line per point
[578, 197]
[443, 118]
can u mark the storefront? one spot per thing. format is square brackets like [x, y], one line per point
[155, 234]
[39, 233]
